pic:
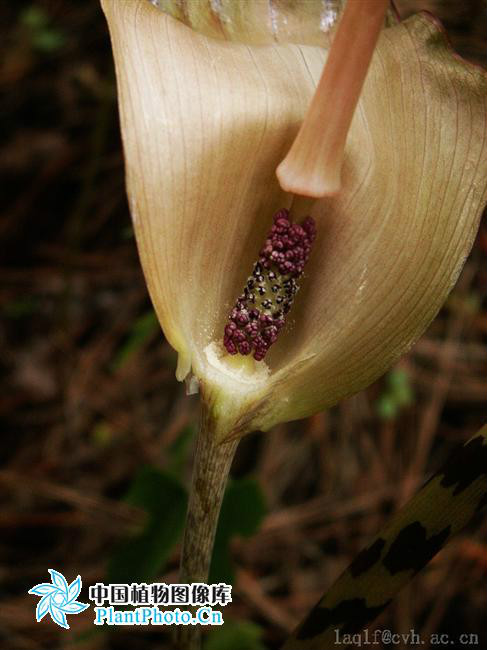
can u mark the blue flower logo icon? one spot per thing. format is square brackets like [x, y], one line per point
[58, 598]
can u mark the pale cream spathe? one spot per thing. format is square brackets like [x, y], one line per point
[205, 124]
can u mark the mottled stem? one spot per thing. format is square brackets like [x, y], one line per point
[212, 463]
[409, 540]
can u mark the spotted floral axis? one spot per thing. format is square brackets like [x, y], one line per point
[260, 312]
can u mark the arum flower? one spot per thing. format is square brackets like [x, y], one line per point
[205, 124]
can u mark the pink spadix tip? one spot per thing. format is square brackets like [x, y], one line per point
[260, 312]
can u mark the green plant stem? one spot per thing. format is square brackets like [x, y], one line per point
[211, 467]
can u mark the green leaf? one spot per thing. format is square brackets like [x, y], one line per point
[143, 328]
[142, 556]
[48, 40]
[397, 379]
[34, 17]
[243, 509]
[398, 393]
[404, 396]
[43, 37]
[235, 635]
[386, 407]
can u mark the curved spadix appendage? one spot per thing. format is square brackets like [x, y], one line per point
[260, 311]
[313, 165]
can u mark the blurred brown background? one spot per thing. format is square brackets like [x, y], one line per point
[90, 397]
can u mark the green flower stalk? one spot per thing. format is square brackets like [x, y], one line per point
[205, 124]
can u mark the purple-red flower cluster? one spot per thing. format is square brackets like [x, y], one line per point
[260, 311]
